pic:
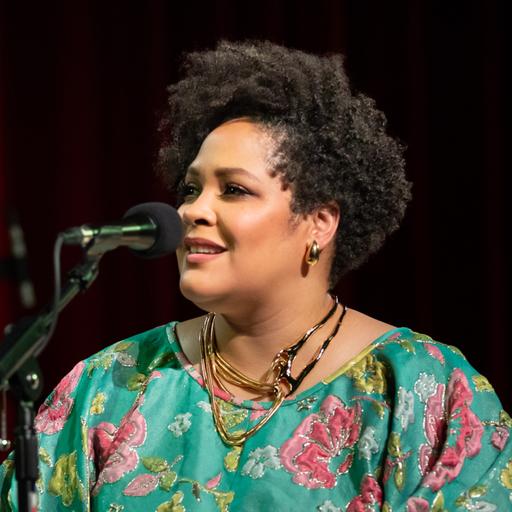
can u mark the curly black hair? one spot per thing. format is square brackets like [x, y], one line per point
[332, 144]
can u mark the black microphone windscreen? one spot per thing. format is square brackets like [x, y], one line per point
[169, 228]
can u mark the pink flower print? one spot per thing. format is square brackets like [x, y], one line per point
[53, 414]
[70, 381]
[213, 482]
[320, 438]
[142, 485]
[468, 431]
[155, 374]
[418, 505]
[471, 431]
[113, 447]
[445, 469]
[500, 437]
[257, 412]
[52, 417]
[459, 392]
[371, 494]
[427, 457]
[99, 440]
[434, 352]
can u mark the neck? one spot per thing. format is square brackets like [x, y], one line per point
[250, 341]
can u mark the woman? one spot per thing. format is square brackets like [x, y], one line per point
[280, 396]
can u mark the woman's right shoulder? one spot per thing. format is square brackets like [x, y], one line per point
[145, 351]
[125, 367]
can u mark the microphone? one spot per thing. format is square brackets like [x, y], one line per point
[150, 230]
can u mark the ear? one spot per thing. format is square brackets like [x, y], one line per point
[324, 223]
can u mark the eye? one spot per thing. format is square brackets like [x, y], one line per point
[231, 189]
[187, 189]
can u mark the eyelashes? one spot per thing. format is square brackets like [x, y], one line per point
[235, 190]
[189, 190]
[186, 189]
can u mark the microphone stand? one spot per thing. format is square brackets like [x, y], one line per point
[24, 341]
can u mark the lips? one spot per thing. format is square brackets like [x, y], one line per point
[199, 246]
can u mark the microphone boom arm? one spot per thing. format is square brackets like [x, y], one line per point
[24, 340]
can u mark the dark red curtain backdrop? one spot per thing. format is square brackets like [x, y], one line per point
[81, 85]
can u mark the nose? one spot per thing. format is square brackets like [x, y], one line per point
[199, 211]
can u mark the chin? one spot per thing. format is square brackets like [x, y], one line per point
[204, 295]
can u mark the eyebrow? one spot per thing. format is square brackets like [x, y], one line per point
[221, 172]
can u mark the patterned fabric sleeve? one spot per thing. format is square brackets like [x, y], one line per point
[90, 425]
[63, 464]
[448, 446]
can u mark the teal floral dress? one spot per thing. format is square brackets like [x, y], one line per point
[406, 425]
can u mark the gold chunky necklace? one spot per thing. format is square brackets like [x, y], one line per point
[214, 368]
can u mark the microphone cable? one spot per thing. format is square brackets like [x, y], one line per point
[57, 283]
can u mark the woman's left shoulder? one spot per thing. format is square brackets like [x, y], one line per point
[403, 340]
[410, 355]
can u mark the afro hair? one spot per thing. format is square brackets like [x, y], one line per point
[331, 143]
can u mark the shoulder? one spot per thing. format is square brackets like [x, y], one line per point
[140, 348]
[126, 363]
[403, 345]
[416, 362]
[404, 361]
[116, 374]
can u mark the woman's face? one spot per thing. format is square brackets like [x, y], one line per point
[241, 239]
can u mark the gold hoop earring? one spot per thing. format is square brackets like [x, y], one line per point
[313, 254]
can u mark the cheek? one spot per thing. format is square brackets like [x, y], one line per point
[267, 242]
[250, 229]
